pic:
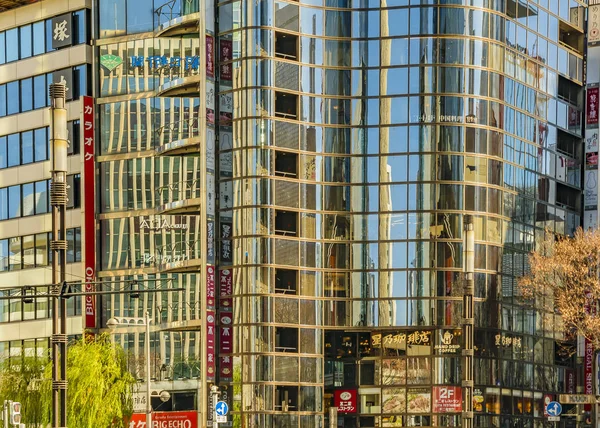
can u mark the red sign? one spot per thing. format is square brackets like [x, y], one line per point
[210, 345]
[447, 399]
[210, 55]
[345, 400]
[225, 288]
[547, 400]
[89, 225]
[226, 47]
[210, 286]
[591, 110]
[166, 420]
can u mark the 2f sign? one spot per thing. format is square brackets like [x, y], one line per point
[446, 394]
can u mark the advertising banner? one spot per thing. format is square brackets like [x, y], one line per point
[89, 221]
[591, 111]
[210, 55]
[210, 345]
[346, 400]
[226, 54]
[593, 35]
[447, 399]
[165, 420]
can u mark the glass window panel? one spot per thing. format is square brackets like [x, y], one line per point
[12, 44]
[78, 244]
[70, 245]
[28, 251]
[2, 48]
[139, 16]
[3, 153]
[40, 145]
[14, 253]
[2, 100]
[14, 150]
[3, 203]
[13, 97]
[41, 197]
[28, 199]
[79, 27]
[26, 94]
[48, 25]
[14, 201]
[3, 255]
[39, 38]
[112, 18]
[27, 147]
[39, 91]
[26, 42]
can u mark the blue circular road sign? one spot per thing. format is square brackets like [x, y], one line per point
[221, 408]
[554, 408]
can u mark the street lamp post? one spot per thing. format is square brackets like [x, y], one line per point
[468, 323]
[112, 324]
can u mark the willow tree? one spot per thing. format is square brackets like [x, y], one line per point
[100, 387]
[564, 278]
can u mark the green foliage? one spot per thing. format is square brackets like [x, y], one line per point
[100, 387]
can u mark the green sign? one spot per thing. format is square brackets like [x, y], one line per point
[110, 62]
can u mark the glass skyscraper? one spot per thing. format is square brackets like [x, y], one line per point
[301, 171]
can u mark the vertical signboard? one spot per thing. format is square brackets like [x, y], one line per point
[225, 330]
[89, 225]
[591, 112]
[593, 32]
[447, 399]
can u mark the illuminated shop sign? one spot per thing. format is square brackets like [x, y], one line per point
[157, 62]
[393, 340]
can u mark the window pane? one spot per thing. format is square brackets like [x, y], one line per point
[3, 154]
[27, 147]
[78, 244]
[28, 250]
[3, 255]
[12, 97]
[49, 35]
[2, 48]
[79, 27]
[41, 197]
[39, 38]
[26, 94]
[41, 249]
[39, 91]
[80, 78]
[2, 100]
[14, 150]
[14, 253]
[112, 18]
[28, 199]
[14, 201]
[139, 16]
[40, 144]
[12, 45]
[3, 203]
[70, 245]
[25, 39]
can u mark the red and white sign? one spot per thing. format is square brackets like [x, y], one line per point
[210, 55]
[210, 286]
[210, 345]
[345, 400]
[89, 225]
[165, 420]
[547, 400]
[447, 399]
[591, 111]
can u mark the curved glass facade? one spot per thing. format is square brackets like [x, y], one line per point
[360, 135]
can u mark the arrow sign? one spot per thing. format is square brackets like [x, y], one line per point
[554, 408]
[221, 408]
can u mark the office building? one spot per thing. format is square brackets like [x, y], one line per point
[301, 171]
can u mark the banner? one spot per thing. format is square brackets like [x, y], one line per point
[89, 225]
[210, 345]
[593, 32]
[447, 399]
[166, 420]
[591, 110]
[346, 400]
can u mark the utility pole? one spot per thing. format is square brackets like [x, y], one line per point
[468, 323]
[58, 245]
[148, 389]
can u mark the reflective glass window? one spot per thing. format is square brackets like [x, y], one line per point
[80, 27]
[28, 199]
[14, 253]
[12, 44]
[80, 78]
[40, 144]
[3, 203]
[27, 147]
[338, 23]
[39, 38]
[2, 100]
[140, 16]
[112, 18]
[14, 201]
[41, 197]
[2, 48]
[26, 94]
[25, 41]
[39, 91]
[3, 153]
[13, 97]
[48, 30]
[14, 150]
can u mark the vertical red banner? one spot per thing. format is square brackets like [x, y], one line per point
[226, 54]
[89, 225]
[210, 287]
[591, 110]
[210, 345]
[225, 325]
[210, 56]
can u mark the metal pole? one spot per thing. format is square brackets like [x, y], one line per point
[468, 323]
[148, 391]
[5, 414]
[214, 390]
[58, 200]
